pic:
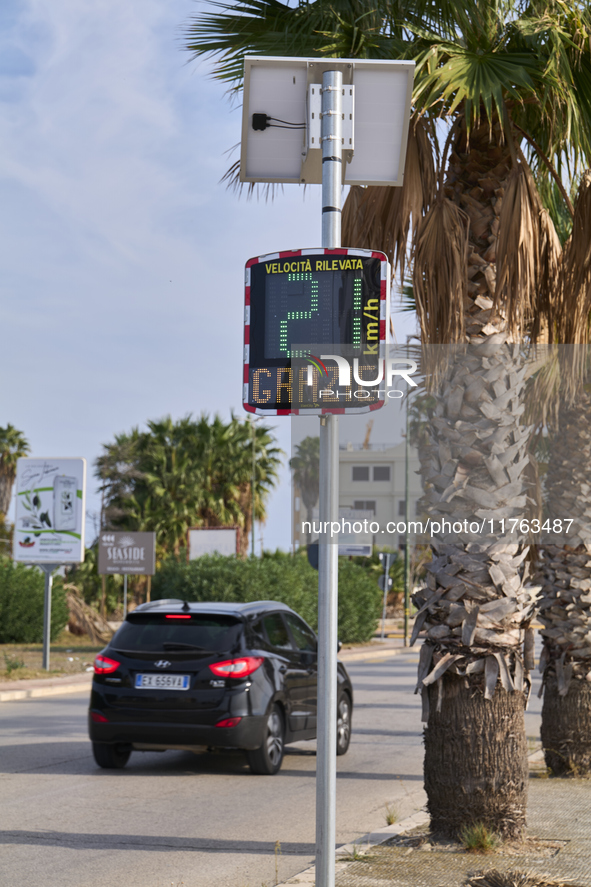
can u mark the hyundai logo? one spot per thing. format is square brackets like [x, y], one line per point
[162, 663]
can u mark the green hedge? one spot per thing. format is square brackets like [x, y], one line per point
[21, 605]
[275, 577]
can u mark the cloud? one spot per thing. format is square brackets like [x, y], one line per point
[123, 257]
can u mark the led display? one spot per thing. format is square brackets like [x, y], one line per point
[305, 304]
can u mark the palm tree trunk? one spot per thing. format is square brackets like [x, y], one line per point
[475, 759]
[476, 610]
[7, 476]
[565, 609]
[566, 726]
[309, 518]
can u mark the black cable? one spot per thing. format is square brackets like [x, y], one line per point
[275, 126]
[299, 125]
[260, 122]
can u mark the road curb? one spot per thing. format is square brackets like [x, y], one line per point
[55, 688]
[359, 655]
[40, 691]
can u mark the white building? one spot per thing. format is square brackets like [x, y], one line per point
[372, 481]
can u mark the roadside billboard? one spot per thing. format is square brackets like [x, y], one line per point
[50, 511]
[127, 553]
[212, 540]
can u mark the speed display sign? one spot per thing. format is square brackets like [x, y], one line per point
[306, 313]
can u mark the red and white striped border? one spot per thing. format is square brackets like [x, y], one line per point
[384, 311]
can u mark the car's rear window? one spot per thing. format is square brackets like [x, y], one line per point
[150, 631]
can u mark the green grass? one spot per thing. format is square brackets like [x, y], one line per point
[356, 854]
[391, 814]
[12, 663]
[478, 838]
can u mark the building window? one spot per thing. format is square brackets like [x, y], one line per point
[401, 507]
[381, 472]
[361, 472]
[365, 505]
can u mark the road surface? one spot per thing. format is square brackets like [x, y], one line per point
[178, 818]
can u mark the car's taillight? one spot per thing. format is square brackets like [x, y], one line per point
[98, 718]
[236, 668]
[171, 616]
[104, 665]
[228, 722]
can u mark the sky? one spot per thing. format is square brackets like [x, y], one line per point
[122, 255]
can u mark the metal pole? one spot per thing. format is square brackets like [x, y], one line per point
[406, 542]
[252, 487]
[332, 163]
[124, 595]
[48, 572]
[386, 590]
[332, 91]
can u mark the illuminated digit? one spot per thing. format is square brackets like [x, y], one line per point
[357, 312]
[284, 337]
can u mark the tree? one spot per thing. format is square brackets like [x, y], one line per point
[189, 473]
[501, 106]
[565, 569]
[13, 445]
[306, 473]
[565, 606]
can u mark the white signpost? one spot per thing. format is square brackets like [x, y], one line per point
[334, 121]
[49, 521]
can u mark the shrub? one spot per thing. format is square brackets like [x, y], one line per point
[21, 604]
[478, 838]
[276, 577]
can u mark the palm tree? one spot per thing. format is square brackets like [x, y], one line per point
[501, 106]
[187, 473]
[306, 474]
[565, 606]
[13, 445]
[267, 459]
[565, 570]
[225, 453]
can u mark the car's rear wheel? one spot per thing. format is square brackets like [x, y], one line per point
[111, 757]
[267, 759]
[344, 709]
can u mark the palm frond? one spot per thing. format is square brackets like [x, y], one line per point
[440, 278]
[340, 28]
[528, 256]
[231, 179]
[543, 390]
[383, 217]
[264, 27]
[552, 198]
[575, 282]
[476, 80]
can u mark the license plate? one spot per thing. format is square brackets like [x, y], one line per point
[162, 681]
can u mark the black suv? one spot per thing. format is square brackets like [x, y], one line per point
[178, 675]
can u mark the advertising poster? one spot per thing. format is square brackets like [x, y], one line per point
[127, 552]
[50, 511]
